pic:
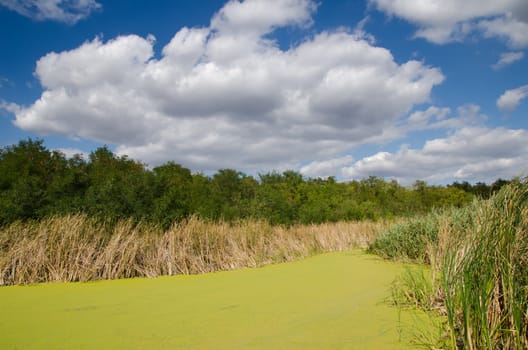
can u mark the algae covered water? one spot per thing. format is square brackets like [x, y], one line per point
[330, 301]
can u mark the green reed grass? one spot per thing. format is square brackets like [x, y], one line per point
[408, 239]
[479, 268]
[485, 275]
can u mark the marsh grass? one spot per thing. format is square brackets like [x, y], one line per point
[479, 269]
[80, 248]
[415, 289]
[408, 240]
[485, 275]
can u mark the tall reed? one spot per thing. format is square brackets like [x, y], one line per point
[80, 248]
[479, 268]
[484, 274]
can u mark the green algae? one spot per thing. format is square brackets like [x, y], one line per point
[330, 301]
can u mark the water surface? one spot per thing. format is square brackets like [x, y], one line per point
[330, 301]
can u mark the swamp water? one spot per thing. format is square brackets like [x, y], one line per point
[330, 301]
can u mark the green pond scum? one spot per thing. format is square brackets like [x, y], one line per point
[329, 301]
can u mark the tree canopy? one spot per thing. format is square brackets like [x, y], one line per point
[36, 182]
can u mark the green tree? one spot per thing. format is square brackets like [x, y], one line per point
[26, 172]
[172, 196]
[322, 201]
[201, 204]
[118, 187]
[279, 197]
[232, 193]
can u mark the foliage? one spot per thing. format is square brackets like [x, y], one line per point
[415, 238]
[36, 183]
[408, 240]
[480, 189]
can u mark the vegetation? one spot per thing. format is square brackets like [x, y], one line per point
[111, 217]
[416, 238]
[479, 261]
[409, 239]
[80, 248]
[36, 183]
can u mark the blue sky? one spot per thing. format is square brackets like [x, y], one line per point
[349, 88]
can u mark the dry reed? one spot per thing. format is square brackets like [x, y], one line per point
[80, 248]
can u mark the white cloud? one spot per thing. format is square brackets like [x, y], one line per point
[227, 95]
[258, 17]
[432, 113]
[326, 168]
[10, 107]
[446, 21]
[508, 27]
[471, 153]
[433, 118]
[510, 99]
[68, 11]
[361, 33]
[508, 58]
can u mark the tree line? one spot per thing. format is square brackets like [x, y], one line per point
[36, 182]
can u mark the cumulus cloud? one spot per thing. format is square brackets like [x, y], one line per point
[470, 153]
[446, 21]
[510, 99]
[10, 107]
[514, 31]
[326, 168]
[432, 113]
[259, 17]
[508, 58]
[226, 95]
[68, 11]
[432, 118]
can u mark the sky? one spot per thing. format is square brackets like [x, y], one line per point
[431, 90]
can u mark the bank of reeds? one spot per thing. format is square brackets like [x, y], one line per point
[80, 248]
[408, 240]
[485, 274]
[479, 263]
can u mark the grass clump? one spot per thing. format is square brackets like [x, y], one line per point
[479, 268]
[408, 239]
[416, 239]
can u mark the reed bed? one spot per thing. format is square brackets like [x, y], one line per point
[484, 274]
[80, 248]
[479, 269]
